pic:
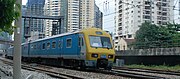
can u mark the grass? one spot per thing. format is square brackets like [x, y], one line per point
[159, 67]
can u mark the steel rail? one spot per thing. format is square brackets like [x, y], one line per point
[176, 73]
[46, 71]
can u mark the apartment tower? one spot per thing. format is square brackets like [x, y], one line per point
[78, 14]
[132, 13]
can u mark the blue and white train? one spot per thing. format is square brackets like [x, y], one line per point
[86, 48]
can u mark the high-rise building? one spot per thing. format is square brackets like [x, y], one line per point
[132, 13]
[78, 14]
[73, 15]
[35, 8]
[24, 8]
[51, 8]
[98, 18]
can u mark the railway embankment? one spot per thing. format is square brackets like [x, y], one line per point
[152, 56]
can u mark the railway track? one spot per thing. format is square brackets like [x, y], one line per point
[128, 74]
[45, 70]
[136, 75]
[176, 73]
[49, 71]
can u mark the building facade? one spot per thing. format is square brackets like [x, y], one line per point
[36, 26]
[132, 13]
[24, 8]
[78, 14]
[98, 18]
[51, 8]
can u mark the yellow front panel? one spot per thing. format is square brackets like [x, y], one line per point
[99, 51]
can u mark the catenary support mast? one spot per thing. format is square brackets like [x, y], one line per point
[17, 46]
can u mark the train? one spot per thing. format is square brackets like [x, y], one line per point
[87, 48]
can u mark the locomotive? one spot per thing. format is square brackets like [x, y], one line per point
[85, 48]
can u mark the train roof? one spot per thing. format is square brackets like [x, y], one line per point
[64, 34]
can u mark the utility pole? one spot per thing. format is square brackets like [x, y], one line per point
[17, 46]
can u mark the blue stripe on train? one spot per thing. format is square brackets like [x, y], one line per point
[64, 50]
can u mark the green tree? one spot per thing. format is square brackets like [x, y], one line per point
[9, 11]
[147, 34]
[151, 35]
[173, 29]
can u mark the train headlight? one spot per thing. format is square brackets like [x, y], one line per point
[110, 56]
[94, 55]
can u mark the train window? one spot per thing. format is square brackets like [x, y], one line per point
[81, 42]
[31, 46]
[69, 43]
[99, 33]
[98, 41]
[48, 45]
[34, 46]
[43, 46]
[54, 44]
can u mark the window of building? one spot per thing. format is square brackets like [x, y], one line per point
[129, 36]
[164, 9]
[120, 24]
[164, 18]
[164, 0]
[147, 7]
[159, 22]
[164, 13]
[147, 17]
[147, 2]
[116, 38]
[68, 43]
[147, 12]
[164, 4]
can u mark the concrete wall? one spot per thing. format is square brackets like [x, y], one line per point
[151, 52]
[170, 60]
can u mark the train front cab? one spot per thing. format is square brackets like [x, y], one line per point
[100, 52]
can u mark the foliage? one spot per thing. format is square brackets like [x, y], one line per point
[151, 36]
[9, 11]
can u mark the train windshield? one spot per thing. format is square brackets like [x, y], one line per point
[99, 41]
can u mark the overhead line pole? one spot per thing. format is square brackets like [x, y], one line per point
[17, 46]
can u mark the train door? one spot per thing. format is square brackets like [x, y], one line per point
[82, 47]
[28, 51]
[60, 47]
